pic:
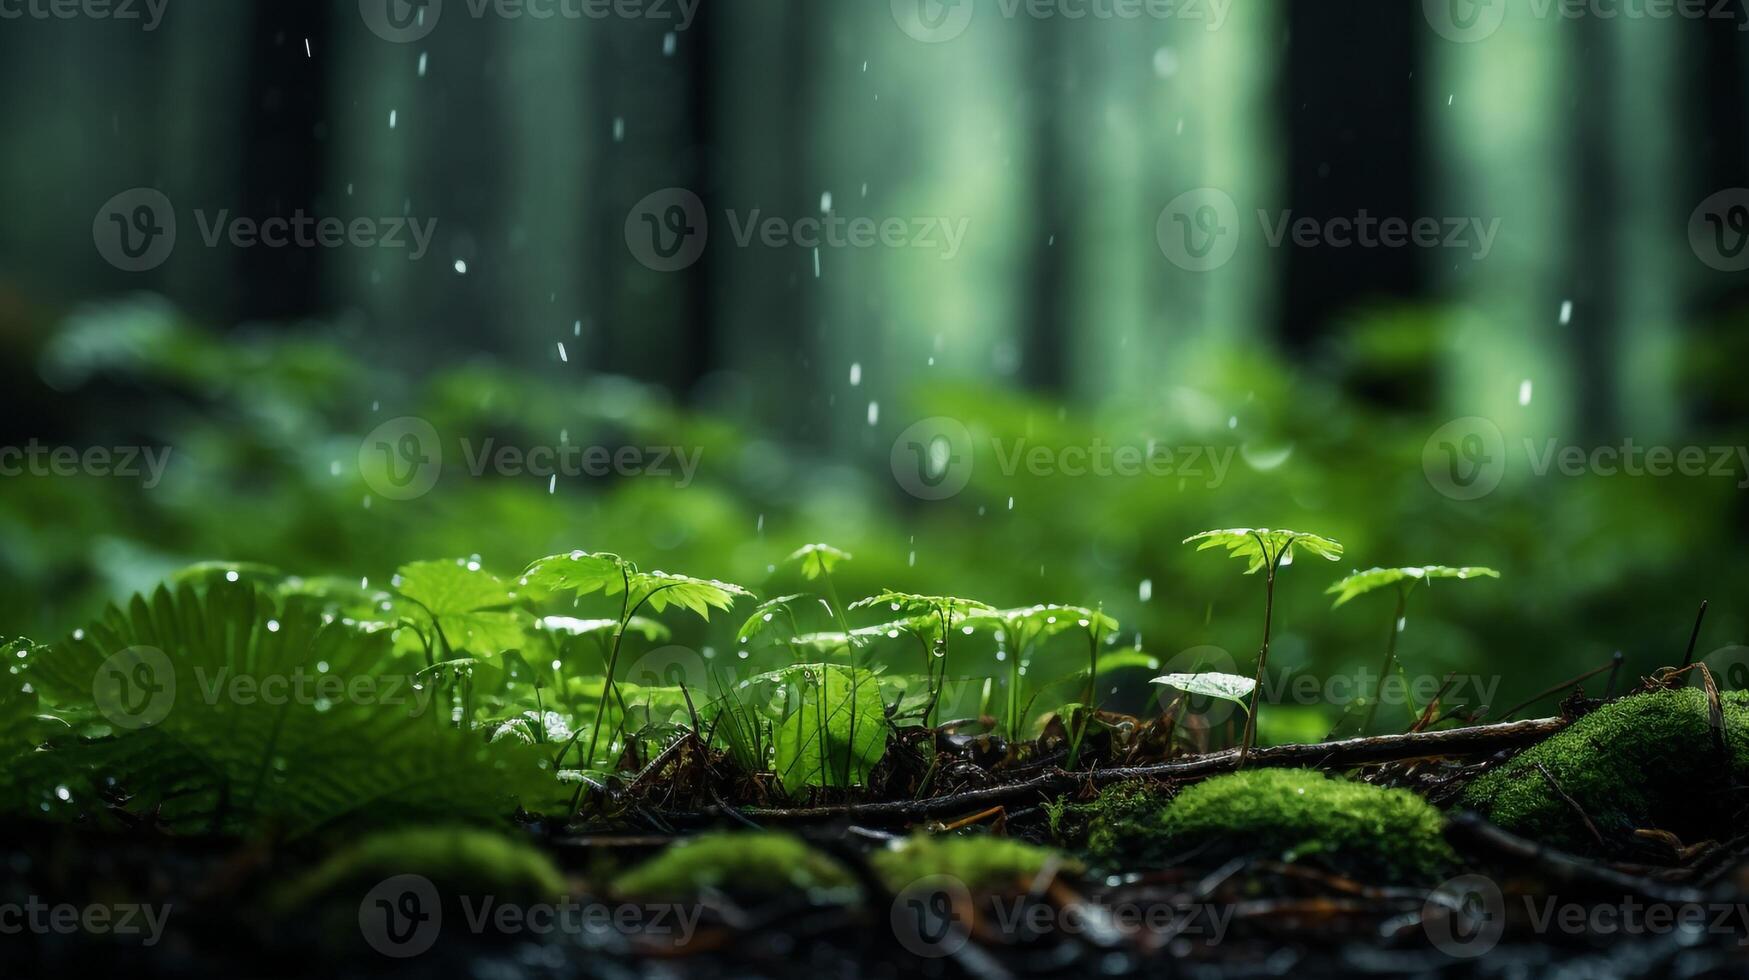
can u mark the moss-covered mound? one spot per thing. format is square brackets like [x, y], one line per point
[983, 863]
[1647, 761]
[1389, 834]
[749, 863]
[457, 860]
[1121, 828]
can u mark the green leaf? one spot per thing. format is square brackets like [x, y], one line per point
[1360, 583]
[578, 573]
[649, 629]
[1032, 623]
[817, 559]
[764, 615]
[1227, 687]
[1262, 547]
[581, 573]
[236, 711]
[469, 605]
[939, 607]
[832, 725]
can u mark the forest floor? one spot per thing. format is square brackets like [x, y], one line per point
[1611, 899]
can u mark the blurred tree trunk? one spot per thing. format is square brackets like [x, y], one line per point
[1355, 125]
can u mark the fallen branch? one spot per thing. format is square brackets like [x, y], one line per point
[1340, 754]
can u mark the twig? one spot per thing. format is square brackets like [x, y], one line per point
[1555, 785]
[1694, 637]
[1559, 866]
[1558, 688]
[1346, 753]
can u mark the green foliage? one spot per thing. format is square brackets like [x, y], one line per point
[276, 716]
[581, 573]
[951, 611]
[817, 559]
[756, 864]
[1263, 548]
[457, 860]
[829, 725]
[651, 630]
[1296, 814]
[468, 606]
[1121, 827]
[1360, 583]
[1643, 762]
[1227, 687]
[981, 862]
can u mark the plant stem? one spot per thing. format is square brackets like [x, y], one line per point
[607, 685]
[1390, 658]
[1262, 662]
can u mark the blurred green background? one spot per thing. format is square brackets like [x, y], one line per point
[1324, 374]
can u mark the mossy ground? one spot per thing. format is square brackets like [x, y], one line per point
[1383, 834]
[1647, 761]
[751, 863]
[981, 862]
[458, 860]
[1120, 827]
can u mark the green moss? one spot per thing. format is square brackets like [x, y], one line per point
[457, 860]
[1379, 833]
[1647, 761]
[752, 863]
[1122, 825]
[982, 862]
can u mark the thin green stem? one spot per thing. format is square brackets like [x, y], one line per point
[1390, 658]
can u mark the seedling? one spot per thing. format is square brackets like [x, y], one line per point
[939, 615]
[1018, 631]
[582, 573]
[1405, 580]
[1268, 551]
